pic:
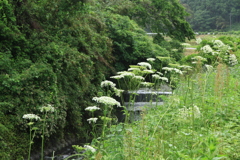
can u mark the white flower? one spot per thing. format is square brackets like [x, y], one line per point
[209, 67]
[151, 59]
[107, 83]
[31, 116]
[107, 100]
[198, 40]
[164, 79]
[177, 71]
[127, 74]
[218, 43]
[90, 148]
[207, 49]
[147, 84]
[196, 111]
[117, 77]
[147, 71]
[118, 91]
[233, 59]
[172, 69]
[47, 108]
[167, 69]
[159, 73]
[139, 77]
[92, 108]
[186, 113]
[199, 58]
[133, 69]
[156, 76]
[145, 64]
[185, 68]
[90, 120]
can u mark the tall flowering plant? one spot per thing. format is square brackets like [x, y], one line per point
[217, 52]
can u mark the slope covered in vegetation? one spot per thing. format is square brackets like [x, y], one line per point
[57, 53]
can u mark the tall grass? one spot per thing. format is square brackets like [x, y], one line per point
[199, 121]
[177, 130]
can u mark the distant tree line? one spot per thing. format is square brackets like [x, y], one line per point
[206, 15]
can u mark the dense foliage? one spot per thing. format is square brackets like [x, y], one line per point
[212, 15]
[57, 52]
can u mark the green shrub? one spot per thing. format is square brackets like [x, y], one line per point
[130, 43]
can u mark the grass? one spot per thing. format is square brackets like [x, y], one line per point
[199, 121]
[172, 132]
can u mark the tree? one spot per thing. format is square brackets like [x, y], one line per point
[165, 17]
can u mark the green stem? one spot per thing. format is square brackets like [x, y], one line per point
[30, 139]
[43, 130]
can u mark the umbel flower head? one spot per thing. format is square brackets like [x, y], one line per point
[107, 83]
[156, 76]
[151, 59]
[117, 77]
[118, 91]
[198, 40]
[145, 64]
[48, 108]
[31, 116]
[207, 49]
[125, 74]
[92, 108]
[90, 148]
[186, 113]
[147, 84]
[107, 101]
[233, 59]
[218, 43]
[94, 120]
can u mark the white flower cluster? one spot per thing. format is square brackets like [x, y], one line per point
[186, 113]
[209, 67]
[90, 120]
[31, 116]
[199, 59]
[172, 69]
[90, 148]
[48, 108]
[198, 40]
[159, 73]
[156, 76]
[233, 59]
[185, 67]
[117, 77]
[107, 101]
[218, 43]
[139, 77]
[145, 64]
[151, 59]
[147, 71]
[133, 69]
[147, 84]
[118, 91]
[207, 49]
[126, 74]
[92, 108]
[107, 83]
